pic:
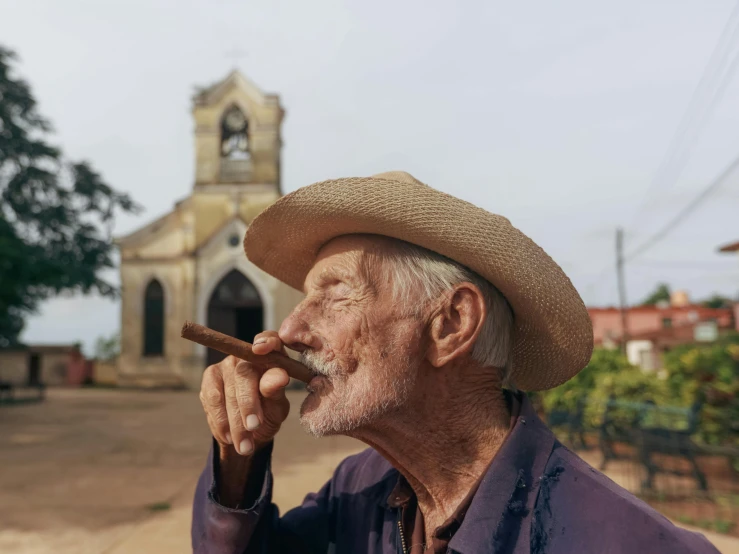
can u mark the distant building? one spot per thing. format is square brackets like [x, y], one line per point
[653, 330]
[189, 264]
[47, 364]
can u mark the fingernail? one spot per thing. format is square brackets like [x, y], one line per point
[245, 447]
[229, 440]
[260, 341]
[252, 422]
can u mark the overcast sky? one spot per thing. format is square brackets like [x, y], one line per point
[554, 114]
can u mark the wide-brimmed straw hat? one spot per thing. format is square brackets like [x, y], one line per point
[552, 336]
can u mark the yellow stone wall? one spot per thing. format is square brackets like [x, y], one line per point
[52, 367]
[211, 212]
[188, 250]
[105, 373]
[264, 115]
[177, 279]
[188, 284]
[14, 367]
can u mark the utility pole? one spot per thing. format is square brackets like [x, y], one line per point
[621, 287]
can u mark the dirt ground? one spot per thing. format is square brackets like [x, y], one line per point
[94, 471]
[87, 470]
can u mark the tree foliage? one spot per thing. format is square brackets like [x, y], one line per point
[568, 395]
[608, 374]
[56, 216]
[718, 301]
[710, 370]
[690, 373]
[108, 348]
[660, 294]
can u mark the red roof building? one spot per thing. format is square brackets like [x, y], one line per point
[646, 320]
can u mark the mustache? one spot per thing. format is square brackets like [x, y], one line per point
[318, 365]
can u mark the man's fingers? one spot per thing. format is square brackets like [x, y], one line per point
[213, 399]
[266, 342]
[273, 382]
[216, 434]
[242, 439]
[247, 395]
[244, 404]
[276, 405]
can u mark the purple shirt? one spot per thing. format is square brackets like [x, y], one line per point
[537, 496]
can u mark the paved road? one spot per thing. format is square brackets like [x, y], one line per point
[83, 471]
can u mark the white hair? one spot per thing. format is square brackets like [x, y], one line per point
[414, 269]
[364, 401]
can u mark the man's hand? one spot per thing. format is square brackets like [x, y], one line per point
[245, 404]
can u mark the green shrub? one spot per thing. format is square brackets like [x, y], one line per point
[710, 371]
[630, 385]
[568, 395]
[689, 373]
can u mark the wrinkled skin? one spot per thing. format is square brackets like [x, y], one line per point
[364, 348]
[398, 377]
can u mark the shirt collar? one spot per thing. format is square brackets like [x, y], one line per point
[501, 511]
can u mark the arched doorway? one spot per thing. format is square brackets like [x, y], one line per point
[236, 309]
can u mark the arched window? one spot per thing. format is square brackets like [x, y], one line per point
[234, 135]
[154, 319]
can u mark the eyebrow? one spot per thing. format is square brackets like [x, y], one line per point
[334, 274]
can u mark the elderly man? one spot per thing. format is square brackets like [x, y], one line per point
[423, 317]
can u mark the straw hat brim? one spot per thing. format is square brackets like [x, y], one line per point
[553, 335]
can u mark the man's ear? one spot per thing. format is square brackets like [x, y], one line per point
[454, 329]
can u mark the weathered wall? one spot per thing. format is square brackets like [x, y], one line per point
[644, 319]
[105, 373]
[14, 367]
[215, 260]
[176, 277]
[190, 250]
[264, 115]
[54, 369]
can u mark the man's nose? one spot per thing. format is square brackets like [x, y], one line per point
[295, 332]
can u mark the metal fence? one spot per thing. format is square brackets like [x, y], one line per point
[656, 453]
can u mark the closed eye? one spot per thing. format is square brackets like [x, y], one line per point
[340, 290]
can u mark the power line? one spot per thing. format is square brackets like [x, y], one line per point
[714, 102]
[673, 163]
[714, 70]
[605, 272]
[687, 264]
[686, 211]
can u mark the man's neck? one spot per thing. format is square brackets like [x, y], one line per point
[444, 440]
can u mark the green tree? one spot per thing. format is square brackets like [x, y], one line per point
[56, 216]
[608, 373]
[718, 301]
[711, 371]
[107, 348]
[660, 294]
[567, 396]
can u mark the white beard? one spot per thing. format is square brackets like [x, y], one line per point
[352, 401]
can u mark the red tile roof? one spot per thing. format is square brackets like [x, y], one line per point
[701, 311]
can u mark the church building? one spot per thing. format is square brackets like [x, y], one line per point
[189, 264]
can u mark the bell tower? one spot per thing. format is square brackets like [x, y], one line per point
[237, 134]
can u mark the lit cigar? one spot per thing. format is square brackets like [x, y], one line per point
[242, 350]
